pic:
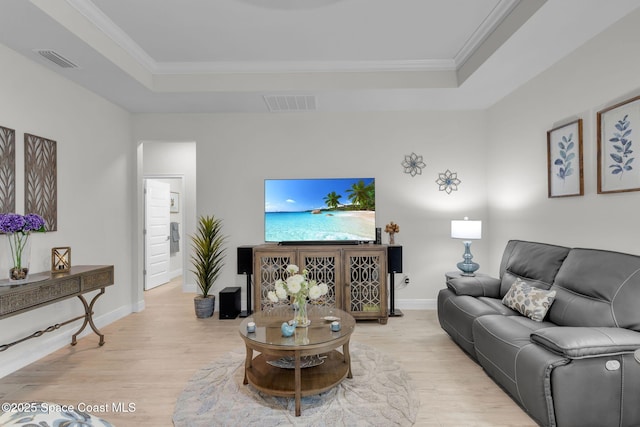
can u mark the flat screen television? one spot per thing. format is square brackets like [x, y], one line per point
[321, 210]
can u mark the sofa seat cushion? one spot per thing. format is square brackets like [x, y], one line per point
[578, 343]
[529, 300]
[499, 340]
[457, 313]
[498, 307]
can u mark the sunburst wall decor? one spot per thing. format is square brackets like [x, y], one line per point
[413, 164]
[448, 181]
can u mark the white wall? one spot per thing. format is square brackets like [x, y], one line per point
[235, 153]
[95, 196]
[601, 73]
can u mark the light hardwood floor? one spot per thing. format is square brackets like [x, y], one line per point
[149, 356]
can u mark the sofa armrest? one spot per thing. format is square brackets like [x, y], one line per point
[582, 342]
[476, 286]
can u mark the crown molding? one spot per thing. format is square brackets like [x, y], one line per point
[488, 26]
[94, 15]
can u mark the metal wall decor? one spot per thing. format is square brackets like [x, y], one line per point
[7, 170]
[413, 164]
[448, 181]
[41, 187]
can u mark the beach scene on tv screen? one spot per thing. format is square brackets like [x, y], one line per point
[320, 209]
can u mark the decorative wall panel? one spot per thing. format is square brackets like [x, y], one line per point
[41, 187]
[7, 170]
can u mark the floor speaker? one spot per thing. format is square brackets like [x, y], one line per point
[229, 302]
[245, 259]
[394, 258]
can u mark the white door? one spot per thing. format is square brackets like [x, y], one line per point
[157, 218]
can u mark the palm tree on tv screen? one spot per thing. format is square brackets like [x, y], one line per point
[332, 200]
[362, 196]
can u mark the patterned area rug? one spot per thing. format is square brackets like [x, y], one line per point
[46, 414]
[379, 394]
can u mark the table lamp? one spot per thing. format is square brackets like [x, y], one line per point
[467, 230]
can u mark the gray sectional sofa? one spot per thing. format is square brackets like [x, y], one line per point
[576, 367]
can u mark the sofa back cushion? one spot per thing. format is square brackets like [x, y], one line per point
[536, 263]
[597, 288]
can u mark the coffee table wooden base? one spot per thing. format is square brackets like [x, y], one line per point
[283, 382]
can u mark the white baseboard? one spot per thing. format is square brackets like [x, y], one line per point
[46, 345]
[416, 304]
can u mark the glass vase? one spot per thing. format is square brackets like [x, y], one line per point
[19, 250]
[301, 312]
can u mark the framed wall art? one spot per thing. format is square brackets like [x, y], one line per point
[618, 127]
[175, 202]
[564, 160]
[7, 170]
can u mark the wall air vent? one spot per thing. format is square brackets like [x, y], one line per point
[56, 58]
[290, 103]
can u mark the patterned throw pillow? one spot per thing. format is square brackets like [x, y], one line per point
[528, 300]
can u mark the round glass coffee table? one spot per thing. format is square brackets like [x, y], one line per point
[304, 364]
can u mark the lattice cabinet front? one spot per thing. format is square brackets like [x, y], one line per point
[365, 280]
[355, 276]
[269, 267]
[324, 267]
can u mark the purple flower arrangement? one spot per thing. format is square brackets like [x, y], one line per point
[14, 223]
[18, 228]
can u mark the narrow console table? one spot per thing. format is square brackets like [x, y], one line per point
[47, 288]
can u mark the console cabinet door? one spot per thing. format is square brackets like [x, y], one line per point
[269, 265]
[324, 266]
[366, 283]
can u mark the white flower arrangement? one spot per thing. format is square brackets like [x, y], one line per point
[298, 286]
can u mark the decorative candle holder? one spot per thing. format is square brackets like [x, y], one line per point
[60, 260]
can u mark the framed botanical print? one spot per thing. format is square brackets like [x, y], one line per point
[564, 160]
[175, 202]
[618, 127]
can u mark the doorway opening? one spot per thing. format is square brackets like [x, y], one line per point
[173, 163]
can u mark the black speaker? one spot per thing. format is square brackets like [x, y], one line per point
[378, 236]
[394, 259]
[229, 302]
[245, 259]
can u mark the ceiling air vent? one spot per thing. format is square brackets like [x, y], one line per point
[56, 58]
[290, 103]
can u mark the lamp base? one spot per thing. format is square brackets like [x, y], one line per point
[467, 266]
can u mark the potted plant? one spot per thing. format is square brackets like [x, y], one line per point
[207, 260]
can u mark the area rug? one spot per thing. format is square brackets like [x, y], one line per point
[379, 394]
[46, 414]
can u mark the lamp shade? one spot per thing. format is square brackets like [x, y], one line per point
[466, 229]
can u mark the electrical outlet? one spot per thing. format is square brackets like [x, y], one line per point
[405, 279]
